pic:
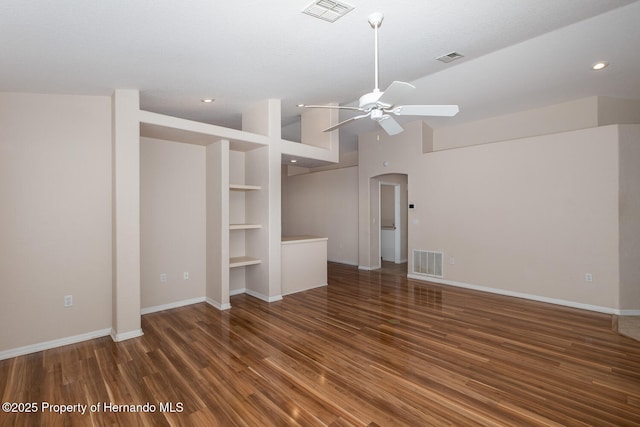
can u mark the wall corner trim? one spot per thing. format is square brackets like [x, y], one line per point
[126, 335]
[263, 297]
[217, 305]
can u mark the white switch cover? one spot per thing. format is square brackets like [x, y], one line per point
[68, 300]
[185, 275]
[163, 277]
[588, 277]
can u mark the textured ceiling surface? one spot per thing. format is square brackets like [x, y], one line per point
[517, 54]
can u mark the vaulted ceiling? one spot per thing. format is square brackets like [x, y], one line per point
[517, 54]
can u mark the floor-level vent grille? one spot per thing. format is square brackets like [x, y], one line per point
[428, 262]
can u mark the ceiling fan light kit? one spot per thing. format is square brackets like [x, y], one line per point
[379, 105]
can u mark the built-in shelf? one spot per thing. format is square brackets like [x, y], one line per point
[244, 226]
[241, 187]
[241, 261]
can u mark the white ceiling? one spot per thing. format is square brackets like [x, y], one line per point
[518, 54]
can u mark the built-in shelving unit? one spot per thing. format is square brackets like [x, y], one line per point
[243, 172]
[241, 243]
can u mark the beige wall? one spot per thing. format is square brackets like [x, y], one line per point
[528, 216]
[578, 114]
[324, 204]
[630, 217]
[381, 154]
[531, 216]
[173, 222]
[55, 217]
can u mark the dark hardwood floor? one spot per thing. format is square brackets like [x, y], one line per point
[372, 348]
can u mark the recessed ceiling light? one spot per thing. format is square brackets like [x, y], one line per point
[208, 100]
[293, 161]
[600, 65]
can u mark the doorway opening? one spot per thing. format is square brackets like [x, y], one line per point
[389, 235]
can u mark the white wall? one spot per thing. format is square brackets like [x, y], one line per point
[55, 217]
[324, 204]
[173, 222]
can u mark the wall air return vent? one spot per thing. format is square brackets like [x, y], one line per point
[449, 57]
[328, 10]
[428, 263]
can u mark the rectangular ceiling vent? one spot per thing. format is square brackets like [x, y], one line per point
[449, 57]
[428, 263]
[328, 10]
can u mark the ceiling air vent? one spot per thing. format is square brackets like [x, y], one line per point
[449, 57]
[328, 10]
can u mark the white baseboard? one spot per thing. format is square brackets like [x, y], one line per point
[172, 305]
[33, 348]
[126, 335]
[395, 261]
[263, 297]
[337, 261]
[628, 313]
[306, 289]
[237, 292]
[375, 267]
[532, 297]
[217, 305]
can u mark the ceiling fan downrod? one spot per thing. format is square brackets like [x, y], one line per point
[375, 20]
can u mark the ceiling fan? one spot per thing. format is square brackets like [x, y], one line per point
[379, 106]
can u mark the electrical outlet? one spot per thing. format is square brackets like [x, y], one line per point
[452, 260]
[185, 275]
[588, 277]
[68, 300]
[163, 277]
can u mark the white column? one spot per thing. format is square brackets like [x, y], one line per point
[126, 215]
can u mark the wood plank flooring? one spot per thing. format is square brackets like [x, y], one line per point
[370, 349]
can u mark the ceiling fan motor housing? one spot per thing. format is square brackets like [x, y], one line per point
[370, 100]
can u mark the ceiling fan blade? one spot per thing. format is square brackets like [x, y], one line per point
[396, 93]
[335, 107]
[426, 110]
[390, 125]
[344, 122]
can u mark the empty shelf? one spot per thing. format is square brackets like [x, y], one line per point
[242, 187]
[242, 261]
[244, 226]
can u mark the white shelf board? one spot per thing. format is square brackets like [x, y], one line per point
[241, 261]
[244, 226]
[159, 126]
[242, 187]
